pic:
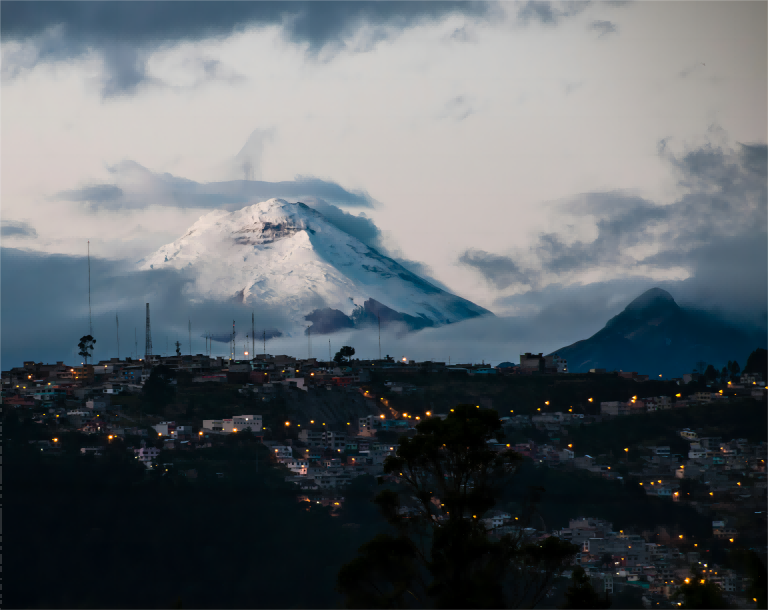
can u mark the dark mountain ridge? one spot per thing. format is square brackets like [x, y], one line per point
[655, 336]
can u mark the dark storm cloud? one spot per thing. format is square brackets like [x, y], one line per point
[17, 228]
[95, 193]
[603, 27]
[138, 188]
[726, 200]
[124, 32]
[549, 12]
[501, 271]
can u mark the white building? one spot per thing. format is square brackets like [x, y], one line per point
[298, 467]
[235, 424]
[165, 428]
[283, 452]
[146, 455]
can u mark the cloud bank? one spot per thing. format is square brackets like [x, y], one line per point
[715, 233]
[126, 33]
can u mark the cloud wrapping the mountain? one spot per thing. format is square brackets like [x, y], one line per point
[136, 187]
[116, 288]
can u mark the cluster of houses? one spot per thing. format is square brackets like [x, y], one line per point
[658, 561]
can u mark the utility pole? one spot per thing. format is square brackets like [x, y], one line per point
[379, 318]
[265, 344]
[253, 338]
[309, 342]
[136, 340]
[234, 334]
[190, 337]
[117, 330]
[148, 340]
[329, 354]
[90, 321]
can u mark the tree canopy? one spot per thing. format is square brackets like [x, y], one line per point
[438, 552]
[344, 354]
[86, 347]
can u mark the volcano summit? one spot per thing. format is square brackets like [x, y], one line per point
[289, 255]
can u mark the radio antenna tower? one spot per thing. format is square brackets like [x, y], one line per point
[117, 330]
[265, 342]
[379, 317]
[136, 340]
[234, 334]
[309, 341]
[90, 323]
[190, 337]
[329, 354]
[148, 340]
[253, 338]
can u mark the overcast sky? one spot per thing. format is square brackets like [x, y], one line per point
[529, 156]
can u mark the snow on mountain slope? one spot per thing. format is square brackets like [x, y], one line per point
[288, 254]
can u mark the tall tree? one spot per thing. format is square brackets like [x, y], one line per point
[86, 347]
[735, 368]
[581, 593]
[710, 374]
[439, 554]
[344, 354]
[158, 391]
[757, 362]
[699, 592]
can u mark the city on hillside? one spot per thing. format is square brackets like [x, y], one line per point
[654, 445]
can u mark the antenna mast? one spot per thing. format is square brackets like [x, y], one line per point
[329, 354]
[253, 338]
[148, 340]
[90, 322]
[309, 342]
[117, 330]
[379, 317]
[233, 339]
[136, 340]
[265, 343]
[190, 337]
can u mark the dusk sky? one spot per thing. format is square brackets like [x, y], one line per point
[547, 161]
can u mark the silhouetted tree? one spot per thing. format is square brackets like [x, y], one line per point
[86, 347]
[581, 593]
[440, 555]
[344, 354]
[757, 362]
[735, 368]
[701, 593]
[178, 348]
[158, 391]
[711, 373]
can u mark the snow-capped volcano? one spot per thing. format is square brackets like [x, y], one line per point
[289, 255]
